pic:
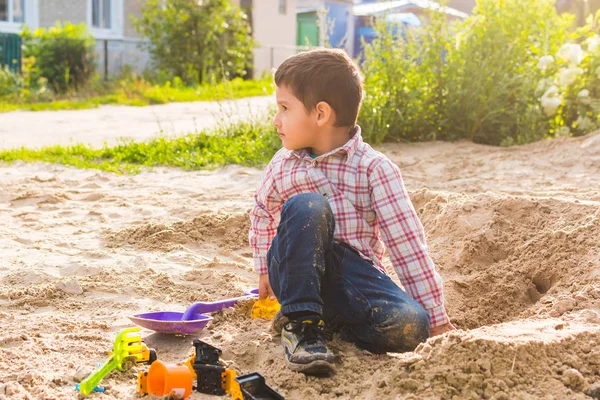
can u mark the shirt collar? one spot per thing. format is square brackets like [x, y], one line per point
[349, 148]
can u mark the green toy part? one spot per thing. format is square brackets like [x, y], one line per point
[126, 351]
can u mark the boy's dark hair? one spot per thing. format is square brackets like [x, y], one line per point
[327, 75]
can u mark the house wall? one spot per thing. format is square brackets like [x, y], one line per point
[131, 8]
[320, 3]
[462, 5]
[119, 48]
[274, 32]
[77, 12]
[62, 10]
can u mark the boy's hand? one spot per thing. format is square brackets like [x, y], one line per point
[438, 330]
[264, 287]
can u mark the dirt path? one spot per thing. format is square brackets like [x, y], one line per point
[514, 232]
[109, 123]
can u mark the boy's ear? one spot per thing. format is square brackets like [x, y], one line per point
[324, 113]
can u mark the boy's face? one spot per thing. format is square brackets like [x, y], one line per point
[296, 126]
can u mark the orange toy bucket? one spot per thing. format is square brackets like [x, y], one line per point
[170, 379]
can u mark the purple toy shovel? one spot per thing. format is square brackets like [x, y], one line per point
[189, 322]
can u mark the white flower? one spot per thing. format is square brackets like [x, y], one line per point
[551, 101]
[544, 62]
[592, 42]
[583, 93]
[584, 123]
[571, 52]
[569, 75]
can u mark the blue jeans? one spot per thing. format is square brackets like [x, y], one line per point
[309, 272]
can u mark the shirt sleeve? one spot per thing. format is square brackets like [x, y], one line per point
[403, 235]
[263, 219]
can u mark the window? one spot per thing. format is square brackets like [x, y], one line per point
[101, 14]
[105, 18]
[283, 7]
[12, 11]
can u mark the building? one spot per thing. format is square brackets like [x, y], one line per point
[274, 28]
[346, 23]
[107, 20]
[117, 42]
[325, 20]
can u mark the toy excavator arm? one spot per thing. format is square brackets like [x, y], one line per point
[88, 384]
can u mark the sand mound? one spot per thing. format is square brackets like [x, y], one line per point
[504, 256]
[228, 231]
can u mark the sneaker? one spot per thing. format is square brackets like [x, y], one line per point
[279, 320]
[305, 346]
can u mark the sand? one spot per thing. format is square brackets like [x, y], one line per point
[514, 232]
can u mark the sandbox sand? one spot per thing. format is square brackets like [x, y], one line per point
[514, 232]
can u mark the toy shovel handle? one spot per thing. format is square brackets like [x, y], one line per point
[208, 307]
[88, 384]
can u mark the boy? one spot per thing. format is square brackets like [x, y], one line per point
[327, 206]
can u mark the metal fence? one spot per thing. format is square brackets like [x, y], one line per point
[10, 51]
[112, 55]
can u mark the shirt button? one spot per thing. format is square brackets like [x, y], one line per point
[315, 162]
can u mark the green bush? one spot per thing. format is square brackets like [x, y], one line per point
[474, 79]
[492, 71]
[198, 41]
[63, 55]
[405, 81]
[10, 83]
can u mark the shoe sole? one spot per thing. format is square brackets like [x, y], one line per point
[317, 367]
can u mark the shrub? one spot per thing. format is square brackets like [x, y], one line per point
[10, 83]
[493, 75]
[404, 81]
[198, 41]
[474, 79]
[63, 55]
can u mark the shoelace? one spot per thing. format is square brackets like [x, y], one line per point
[311, 331]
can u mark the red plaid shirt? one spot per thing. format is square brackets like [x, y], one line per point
[371, 207]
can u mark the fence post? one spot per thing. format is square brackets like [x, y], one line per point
[105, 59]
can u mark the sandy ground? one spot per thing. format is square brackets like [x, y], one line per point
[514, 232]
[109, 123]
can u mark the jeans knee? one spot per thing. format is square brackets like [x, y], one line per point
[308, 206]
[405, 328]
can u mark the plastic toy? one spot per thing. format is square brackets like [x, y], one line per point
[265, 308]
[254, 387]
[189, 322]
[128, 350]
[173, 380]
[177, 380]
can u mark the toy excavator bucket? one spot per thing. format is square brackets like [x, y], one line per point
[254, 387]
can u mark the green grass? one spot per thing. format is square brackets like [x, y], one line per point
[250, 143]
[139, 92]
